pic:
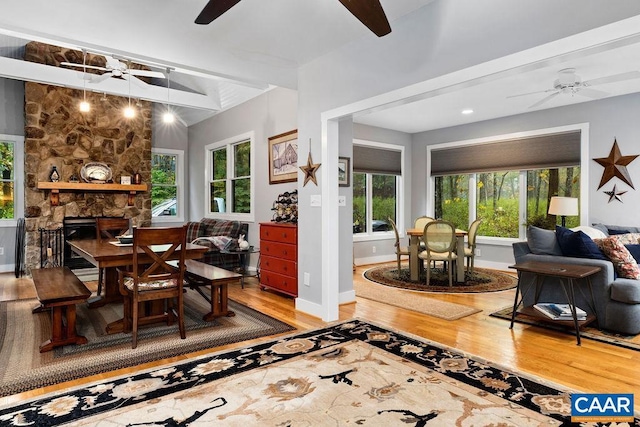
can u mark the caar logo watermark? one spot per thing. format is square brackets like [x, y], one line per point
[601, 407]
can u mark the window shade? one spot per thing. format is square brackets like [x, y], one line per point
[376, 160]
[535, 152]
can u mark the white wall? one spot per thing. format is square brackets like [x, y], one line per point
[270, 114]
[176, 137]
[442, 37]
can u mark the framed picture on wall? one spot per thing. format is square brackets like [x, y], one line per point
[283, 157]
[344, 171]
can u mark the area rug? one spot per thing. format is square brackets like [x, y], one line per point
[588, 332]
[24, 368]
[413, 301]
[482, 280]
[353, 373]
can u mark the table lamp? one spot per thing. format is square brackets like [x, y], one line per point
[563, 206]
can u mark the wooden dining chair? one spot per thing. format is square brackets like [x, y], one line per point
[470, 250]
[400, 250]
[107, 229]
[152, 277]
[440, 242]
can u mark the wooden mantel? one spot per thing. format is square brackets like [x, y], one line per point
[57, 187]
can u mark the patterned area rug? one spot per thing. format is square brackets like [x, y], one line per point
[352, 373]
[482, 280]
[592, 333]
[24, 368]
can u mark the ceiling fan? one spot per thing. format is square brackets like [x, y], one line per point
[569, 83]
[369, 12]
[115, 68]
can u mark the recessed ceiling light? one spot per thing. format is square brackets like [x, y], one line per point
[467, 111]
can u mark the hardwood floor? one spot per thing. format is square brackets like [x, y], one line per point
[593, 367]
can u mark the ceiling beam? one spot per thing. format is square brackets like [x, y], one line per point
[31, 71]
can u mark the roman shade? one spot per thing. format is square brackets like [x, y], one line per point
[534, 152]
[376, 160]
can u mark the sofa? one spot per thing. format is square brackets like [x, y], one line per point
[616, 298]
[216, 234]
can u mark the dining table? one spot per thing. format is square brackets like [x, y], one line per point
[414, 248]
[110, 255]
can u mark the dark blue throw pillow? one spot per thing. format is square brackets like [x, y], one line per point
[577, 244]
[634, 250]
[614, 232]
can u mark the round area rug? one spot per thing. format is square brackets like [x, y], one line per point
[483, 280]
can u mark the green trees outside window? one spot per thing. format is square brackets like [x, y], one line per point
[497, 199]
[377, 194]
[164, 185]
[7, 194]
[230, 188]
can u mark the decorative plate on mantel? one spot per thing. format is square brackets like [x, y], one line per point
[96, 173]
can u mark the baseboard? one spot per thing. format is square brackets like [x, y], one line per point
[347, 297]
[309, 307]
[492, 264]
[6, 268]
[375, 259]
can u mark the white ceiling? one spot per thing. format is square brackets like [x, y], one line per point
[261, 43]
[490, 98]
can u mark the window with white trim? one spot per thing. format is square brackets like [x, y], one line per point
[11, 182]
[377, 188]
[167, 184]
[230, 184]
[507, 183]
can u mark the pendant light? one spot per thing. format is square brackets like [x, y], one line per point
[168, 115]
[129, 111]
[85, 107]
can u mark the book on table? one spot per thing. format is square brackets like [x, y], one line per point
[559, 311]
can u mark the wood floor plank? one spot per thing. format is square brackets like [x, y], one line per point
[553, 356]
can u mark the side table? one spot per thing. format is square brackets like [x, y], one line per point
[243, 257]
[568, 275]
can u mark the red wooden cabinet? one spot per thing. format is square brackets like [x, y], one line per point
[279, 257]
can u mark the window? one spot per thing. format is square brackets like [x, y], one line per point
[167, 183]
[11, 183]
[377, 184]
[507, 199]
[229, 178]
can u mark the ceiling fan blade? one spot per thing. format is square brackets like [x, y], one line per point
[214, 9]
[613, 78]
[92, 67]
[531, 93]
[592, 93]
[370, 13]
[146, 73]
[101, 78]
[114, 63]
[135, 80]
[545, 99]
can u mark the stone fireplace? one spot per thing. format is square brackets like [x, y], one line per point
[58, 134]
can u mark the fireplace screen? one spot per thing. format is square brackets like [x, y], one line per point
[51, 248]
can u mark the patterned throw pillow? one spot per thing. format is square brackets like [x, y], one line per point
[624, 264]
[627, 238]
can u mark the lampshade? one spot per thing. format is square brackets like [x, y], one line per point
[564, 206]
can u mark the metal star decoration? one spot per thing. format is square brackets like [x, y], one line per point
[615, 166]
[614, 194]
[310, 170]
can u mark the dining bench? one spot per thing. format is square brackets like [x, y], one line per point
[200, 274]
[59, 290]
